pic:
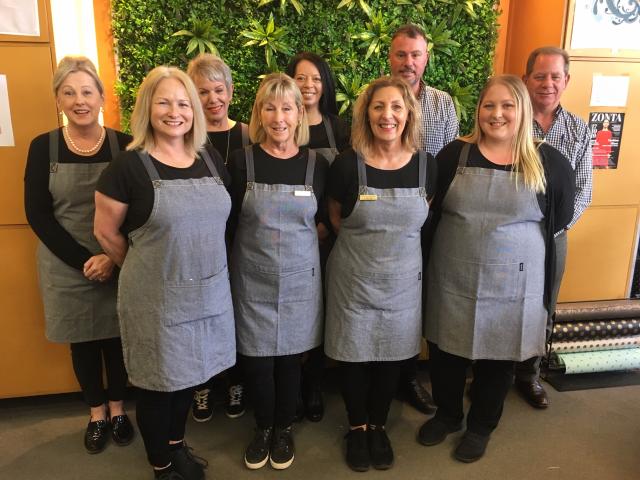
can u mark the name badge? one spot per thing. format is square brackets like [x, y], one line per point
[302, 193]
[368, 197]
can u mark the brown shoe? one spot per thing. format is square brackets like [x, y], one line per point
[533, 392]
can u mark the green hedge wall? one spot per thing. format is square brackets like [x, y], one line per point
[465, 33]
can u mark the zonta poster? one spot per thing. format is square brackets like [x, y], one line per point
[606, 134]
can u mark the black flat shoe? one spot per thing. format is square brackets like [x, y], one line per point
[313, 404]
[96, 436]
[121, 430]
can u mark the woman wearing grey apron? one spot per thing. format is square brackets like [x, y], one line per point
[212, 78]
[77, 280]
[328, 135]
[378, 204]
[161, 213]
[501, 196]
[275, 265]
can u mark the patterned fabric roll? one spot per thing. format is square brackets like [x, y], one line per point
[579, 331]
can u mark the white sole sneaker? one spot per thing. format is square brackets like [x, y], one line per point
[257, 465]
[281, 466]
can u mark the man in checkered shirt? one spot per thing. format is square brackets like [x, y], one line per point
[546, 77]
[408, 58]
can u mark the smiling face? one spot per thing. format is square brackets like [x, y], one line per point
[79, 98]
[387, 114]
[309, 82]
[171, 111]
[215, 98]
[546, 82]
[280, 118]
[497, 115]
[408, 59]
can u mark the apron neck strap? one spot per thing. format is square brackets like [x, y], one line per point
[311, 166]
[248, 156]
[113, 142]
[464, 157]
[244, 130]
[210, 165]
[362, 171]
[151, 169]
[329, 130]
[54, 140]
[422, 169]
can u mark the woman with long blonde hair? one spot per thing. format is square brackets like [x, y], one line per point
[501, 196]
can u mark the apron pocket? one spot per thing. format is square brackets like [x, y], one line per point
[386, 291]
[296, 284]
[480, 280]
[273, 285]
[191, 300]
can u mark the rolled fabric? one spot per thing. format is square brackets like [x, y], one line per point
[594, 311]
[579, 331]
[618, 343]
[602, 361]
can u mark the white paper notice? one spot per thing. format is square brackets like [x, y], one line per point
[609, 91]
[19, 17]
[6, 130]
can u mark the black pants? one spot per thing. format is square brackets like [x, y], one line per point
[368, 389]
[273, 384]
[162, 417]
[233, 374]
[87, 365]
[491, 382]
[313, 368]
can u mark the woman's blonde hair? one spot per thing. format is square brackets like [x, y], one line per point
[72, 64]
[526, 158]
[361, 134]
[141, 117]
[277, 86]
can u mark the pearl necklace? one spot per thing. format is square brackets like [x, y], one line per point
[85, 150]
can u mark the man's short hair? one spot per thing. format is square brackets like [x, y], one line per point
[410, 30]
[547, 51]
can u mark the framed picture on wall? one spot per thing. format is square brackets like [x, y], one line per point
[23, 21]
[603, 28]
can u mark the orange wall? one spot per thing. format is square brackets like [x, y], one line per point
[107, 61]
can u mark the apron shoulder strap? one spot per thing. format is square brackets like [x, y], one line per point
[54, 139]
[244, 130]
[209, 161]
[422, 169]
[311, 166]
[248, 157]
[464, 157]
[362, 171]
[148, 165]
[113, 142]
[330, 136]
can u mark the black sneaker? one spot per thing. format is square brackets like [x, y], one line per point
[380, 451]
[187, 464]
[257, 453]
[235, 402]
[96, 436]
[434, 431]
[282, 448]
[202, 408]
[358, 450]
[472, 447]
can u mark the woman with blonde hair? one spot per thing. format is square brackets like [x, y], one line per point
[77, 278]
[277, 186]
[501, 197]
[161, 214]
[379, 195]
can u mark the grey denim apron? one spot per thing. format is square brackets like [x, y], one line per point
[374, 274]
[331, 151]
[275, 267]
[76, 309]
[485, 279]
[174, 300]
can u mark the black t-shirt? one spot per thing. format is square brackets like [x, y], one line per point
[559, 176]
[342, 133]
[276, 171]
[38, 202]
[126, 180]
[227, 141]
[343, 184]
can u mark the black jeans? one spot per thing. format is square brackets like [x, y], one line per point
[161, 417]
[86, 358]
[491, 382]
[368, 389]
[273, 384]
